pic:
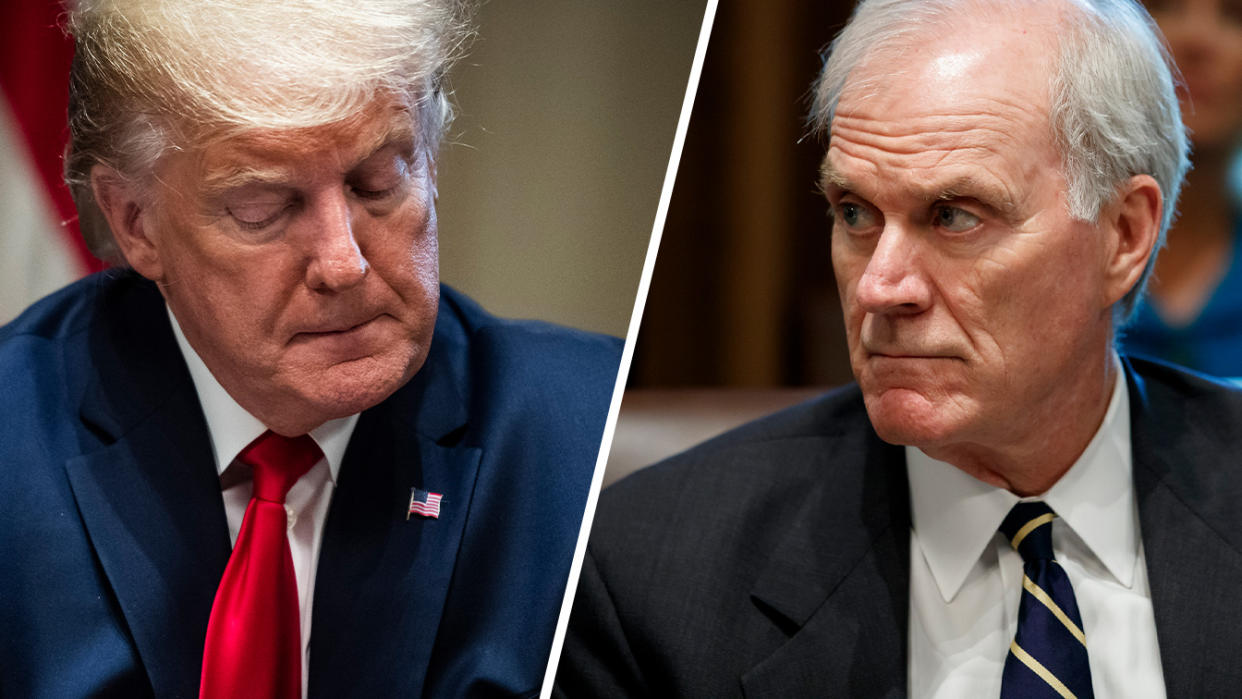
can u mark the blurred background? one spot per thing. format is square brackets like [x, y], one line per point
[550, 181]
[743, 316]
[743, 292]
[567, 111]
[548, 184]
[1193, 312]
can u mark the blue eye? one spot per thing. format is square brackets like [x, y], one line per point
[854, 215]
[850, 214]
[954, 219]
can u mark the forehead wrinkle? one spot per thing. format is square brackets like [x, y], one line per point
[874, 104]
[927, 189]
[259, 158]
[924, 135]
[952, 139]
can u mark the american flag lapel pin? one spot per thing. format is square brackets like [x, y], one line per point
[424, 503]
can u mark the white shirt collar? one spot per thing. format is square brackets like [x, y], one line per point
[956, 516]
[231, 427]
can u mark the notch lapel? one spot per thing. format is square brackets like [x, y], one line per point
[1187, 491]
[383, 578]
[155, 518]
[147, 490]
[840, 582]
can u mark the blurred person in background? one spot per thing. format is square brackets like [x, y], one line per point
[1193, 312]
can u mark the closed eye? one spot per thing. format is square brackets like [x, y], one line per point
[381, 176]
[374, 194]
[258, 215]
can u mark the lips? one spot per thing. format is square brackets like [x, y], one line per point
[348, 338]
[337, 326]
[340, 342]
[336, 329]
[871, 354]
[908, 370]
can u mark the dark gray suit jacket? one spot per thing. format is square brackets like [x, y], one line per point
[774, 561]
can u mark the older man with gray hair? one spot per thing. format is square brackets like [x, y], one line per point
[1001, 506]
[268, 454]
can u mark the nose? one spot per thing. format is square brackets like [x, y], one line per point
[893, 281]
[336, 261]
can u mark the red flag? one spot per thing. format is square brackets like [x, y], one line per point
[39, 240]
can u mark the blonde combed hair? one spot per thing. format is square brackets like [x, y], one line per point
[153, 75]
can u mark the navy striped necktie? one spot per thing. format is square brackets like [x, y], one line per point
[1048, 656]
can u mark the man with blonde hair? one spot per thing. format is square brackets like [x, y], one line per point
[268, 454]
[1001, 506]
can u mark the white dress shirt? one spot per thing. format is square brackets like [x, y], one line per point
[966, 581]
[231, 428]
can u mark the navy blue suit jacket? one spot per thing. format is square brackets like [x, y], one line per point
[113, 535]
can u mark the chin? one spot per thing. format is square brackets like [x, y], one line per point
[906, 417]
[351, 387]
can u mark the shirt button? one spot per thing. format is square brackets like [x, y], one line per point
[293, 516]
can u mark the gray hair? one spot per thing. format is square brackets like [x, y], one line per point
[1113, 105]
[149, 76]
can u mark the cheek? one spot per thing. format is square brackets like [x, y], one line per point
[1045, 300]
[225, 287]
[426, 247]
[404, 251]
[245, 308]
[977, 298]
[423, 248]
[847, 268]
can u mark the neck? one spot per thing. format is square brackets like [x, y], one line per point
[1032, 457]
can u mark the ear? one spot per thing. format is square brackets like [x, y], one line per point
[127, 216]
[1133, 225]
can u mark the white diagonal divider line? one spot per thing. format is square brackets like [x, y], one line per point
[627, 355]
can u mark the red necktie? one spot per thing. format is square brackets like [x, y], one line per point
[254, 640]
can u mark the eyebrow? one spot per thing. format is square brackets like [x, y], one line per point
[965, 186]
[238, 177]
[830, 177]
[399, 134]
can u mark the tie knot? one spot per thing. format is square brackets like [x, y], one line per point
[278, 463]
[1029, 530]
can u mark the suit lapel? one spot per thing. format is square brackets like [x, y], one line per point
[843, 591]
[839, 582]
[383, 578]
[1187, 492]
[148, 492]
